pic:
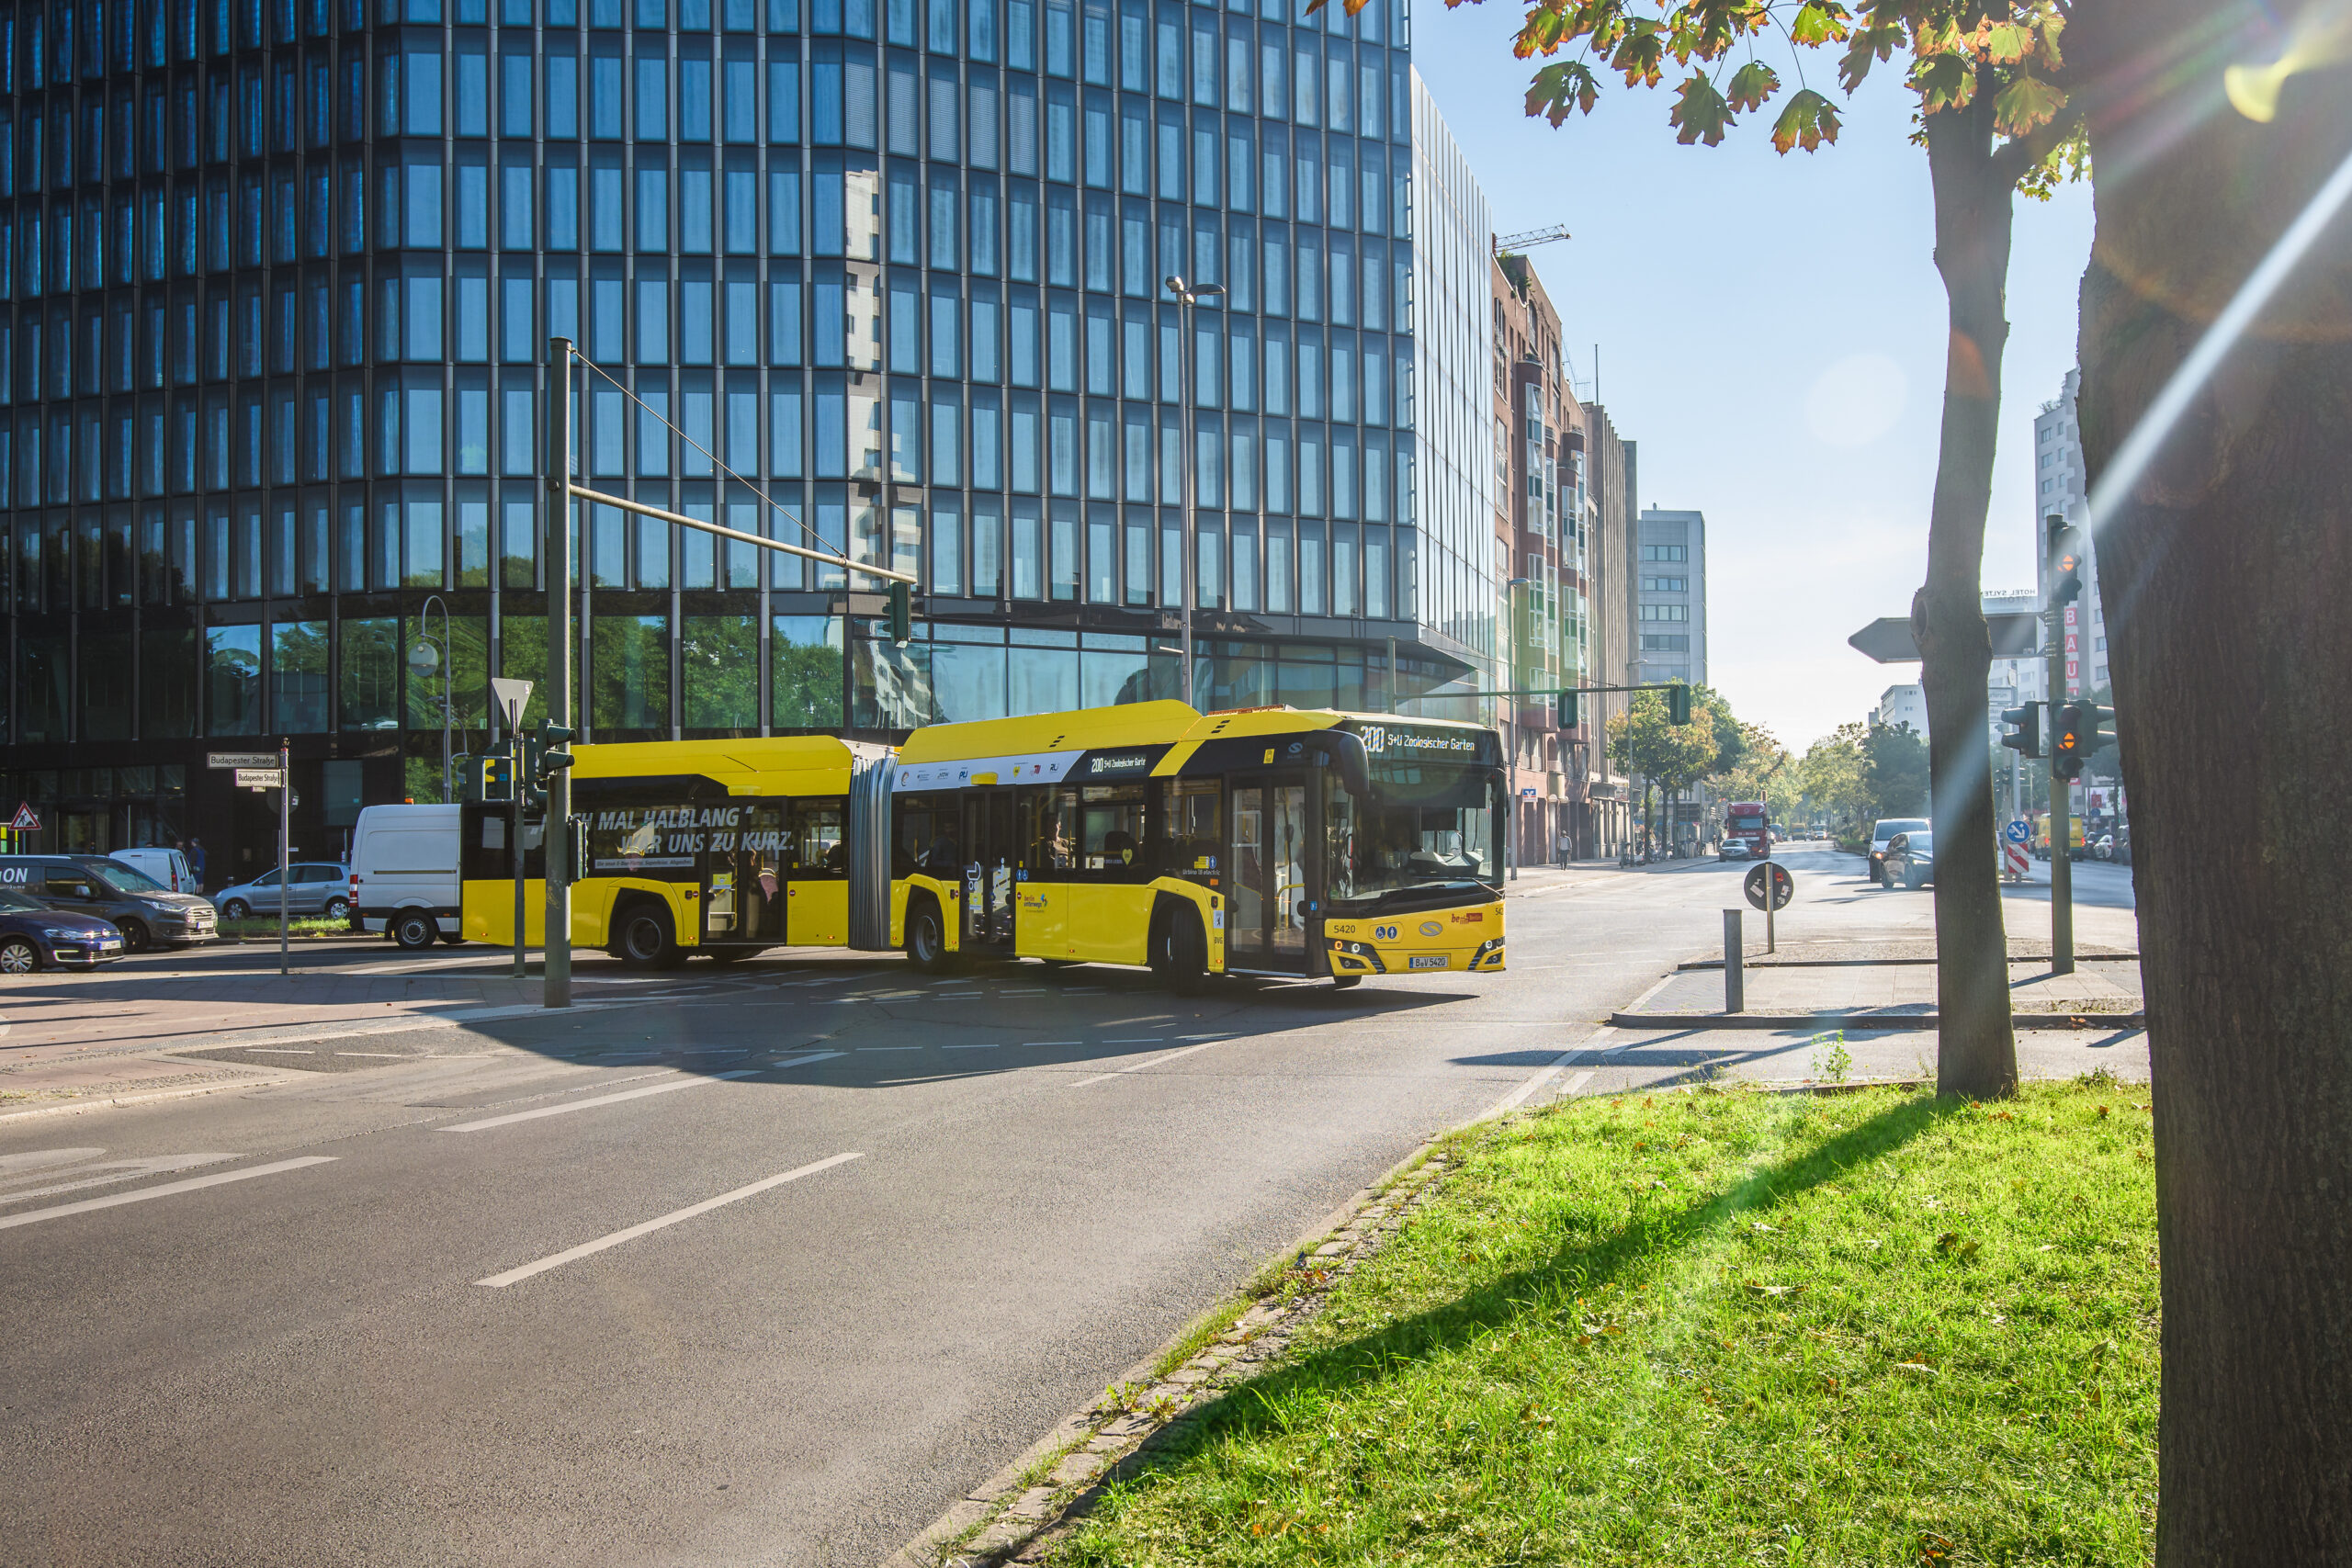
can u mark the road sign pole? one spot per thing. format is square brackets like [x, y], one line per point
[1771, 899]
[1735, 979]
[285, 826]
[555, 825]
[2061, 805]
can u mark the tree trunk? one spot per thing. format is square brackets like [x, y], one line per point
[2225, 571]
[1975, 1047]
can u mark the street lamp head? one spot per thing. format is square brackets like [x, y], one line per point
[1208, 290]
[1175, 285]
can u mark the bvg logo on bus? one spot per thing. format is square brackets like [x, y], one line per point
[1433, 928]
[1384, 934]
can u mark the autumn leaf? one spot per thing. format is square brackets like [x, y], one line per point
[1700, 113]
[1752, 84]
[1868, 45]
[1640, 53]
[2025, 102]
[2005, 43]
[1808, 120]
[1944, 82]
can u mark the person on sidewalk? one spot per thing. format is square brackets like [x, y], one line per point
[196, 862]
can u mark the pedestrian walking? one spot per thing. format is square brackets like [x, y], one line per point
[196, 862]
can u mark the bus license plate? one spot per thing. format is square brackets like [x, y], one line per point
[1418, 961]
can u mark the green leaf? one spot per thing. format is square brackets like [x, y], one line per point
[1700, 113]
[1868, 45]
[1558, 89]
[2025, 103]
[1944, 81]
[1752, 84]
[1809, 120]
[1819, 22]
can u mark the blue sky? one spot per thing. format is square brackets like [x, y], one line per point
[1771, 332]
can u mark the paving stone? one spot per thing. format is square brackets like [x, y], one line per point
[1078, 1469]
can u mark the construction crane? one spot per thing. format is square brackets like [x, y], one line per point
[1513, 243]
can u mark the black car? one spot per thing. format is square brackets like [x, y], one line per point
[34, 936]
[1910, 859]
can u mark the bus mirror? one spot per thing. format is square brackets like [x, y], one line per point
[1343, 750]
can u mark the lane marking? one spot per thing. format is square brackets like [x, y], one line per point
[167, 1189]
[1041, 1045]
[587, 1248]
[1142, 1066]
[275, 1051]
[387, 1055]
[989, 1045]
[862, 1049]
[114, 1171]
[1545, 1074]
[512, 1117]
[1576, 1083]
[1149, 1040]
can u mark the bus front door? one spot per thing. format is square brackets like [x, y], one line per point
[744, 899]
[1267, 850]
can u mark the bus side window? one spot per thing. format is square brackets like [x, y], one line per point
[817, 847]
[1110, 842]
[1191, 818]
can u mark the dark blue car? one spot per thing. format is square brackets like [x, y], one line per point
[34, 936]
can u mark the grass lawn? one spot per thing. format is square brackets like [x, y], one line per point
[1708, 1328]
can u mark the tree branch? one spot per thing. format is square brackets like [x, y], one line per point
[2015, 158]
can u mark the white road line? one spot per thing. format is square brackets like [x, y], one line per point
[1144, 1067]
[512, 1117]
[387, 1055]
[1040, 1045]
[989, 1045]
[1575, 1083]
[167, 1189]
[275, 1051]
[1151, 1040]
[864, 1048]
[571, 1254]
[1544, 1075]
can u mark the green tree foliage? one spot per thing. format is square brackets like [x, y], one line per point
[1762, 773]
[1894, 770]
[1831, 775]
[1672, 756]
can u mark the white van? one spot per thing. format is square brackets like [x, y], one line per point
[404, 874]
[162, 864]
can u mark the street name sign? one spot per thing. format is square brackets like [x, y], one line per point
[261, 778]
[241, 758]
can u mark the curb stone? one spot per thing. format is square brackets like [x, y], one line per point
[1003, 1522]
[1895, 1021]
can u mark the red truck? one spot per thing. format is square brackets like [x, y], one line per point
[1747, 831]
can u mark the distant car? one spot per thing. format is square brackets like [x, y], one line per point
[1885, 828]
[166, 867]
[1910, 859]
[34, 936]
[313, 887]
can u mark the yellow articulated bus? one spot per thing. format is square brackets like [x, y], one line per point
[724, 847]
[1272, 841]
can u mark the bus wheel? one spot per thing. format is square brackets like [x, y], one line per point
[926, 941]
[1180, 953]
[644, 941]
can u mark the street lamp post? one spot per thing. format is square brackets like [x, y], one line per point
[422, 659]
[1187, 295]
[1510, 631]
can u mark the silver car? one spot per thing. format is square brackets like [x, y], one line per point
[313, 887]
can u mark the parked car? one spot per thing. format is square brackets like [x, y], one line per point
[1885, 828]
[166, 867]
[143, 911]
[404, 874]
[1910, 859]
[313, 887]
[34, 936]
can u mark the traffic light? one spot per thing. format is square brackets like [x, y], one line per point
[497, 777]
[575, 849]
[2073, 739]
[552, 738]
[1568, 710]
[2027, 742]
[2065, 562]
[902, 613]
[1678, 704]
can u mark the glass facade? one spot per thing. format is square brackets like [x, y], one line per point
[276, 278]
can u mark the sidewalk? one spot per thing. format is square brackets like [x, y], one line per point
[1884, 984]
[1532, 879]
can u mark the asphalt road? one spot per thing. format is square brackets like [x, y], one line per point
[768, 1270]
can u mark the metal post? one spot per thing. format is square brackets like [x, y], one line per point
[1734, 978]
[514, 753]
[285, 831]
[2062, 832]
[1190, 565]
[1771, 903]
[554, 830]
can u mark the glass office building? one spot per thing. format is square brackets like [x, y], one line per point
[276, 278]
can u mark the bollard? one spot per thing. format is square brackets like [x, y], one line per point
[1734, 981]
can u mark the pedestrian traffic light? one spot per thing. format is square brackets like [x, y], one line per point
[902, 613]
[2027, 742]
[1678, 704]
[497, 777]
[1568, 710]
[2065, 562]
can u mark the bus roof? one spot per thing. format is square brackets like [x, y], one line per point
[782, 764]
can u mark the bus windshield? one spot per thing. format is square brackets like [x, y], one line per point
[1426, 828]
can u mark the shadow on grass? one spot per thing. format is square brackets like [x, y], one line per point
[1631, 1253]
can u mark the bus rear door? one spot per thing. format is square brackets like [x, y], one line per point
[1269, 851]
[817, 886]
[745, 882]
